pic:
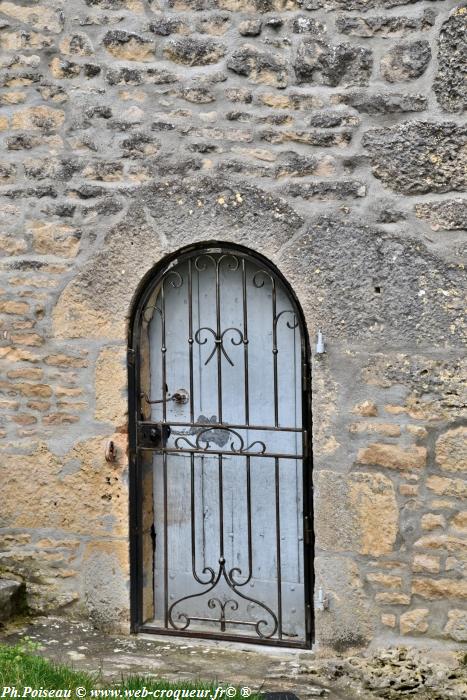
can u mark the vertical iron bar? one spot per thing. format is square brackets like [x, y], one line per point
[218, 341]
[221, 508]
[164, 358]
[274, 352]
[245, 344]
[248, 510]
[278, 548]
[166, 548]
[193, 528]
[190, 337]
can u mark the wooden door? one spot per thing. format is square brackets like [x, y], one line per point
[225, 403]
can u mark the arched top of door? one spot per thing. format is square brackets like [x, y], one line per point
[201, 254]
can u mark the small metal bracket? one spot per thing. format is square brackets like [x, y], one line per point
[308, 618]
[322, 600]
[320, 347]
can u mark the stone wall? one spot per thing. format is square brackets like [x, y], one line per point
[325, 134]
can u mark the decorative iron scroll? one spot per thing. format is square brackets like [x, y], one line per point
[241, 449]
[219, 341]
[265, 628]
[201, 267]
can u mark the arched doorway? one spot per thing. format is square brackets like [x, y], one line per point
[220, 453]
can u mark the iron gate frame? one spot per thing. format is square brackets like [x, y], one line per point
[146, 287]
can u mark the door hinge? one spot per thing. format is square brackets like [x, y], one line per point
[307, 530]
[305, 378]
[130, 357]
[308, 619]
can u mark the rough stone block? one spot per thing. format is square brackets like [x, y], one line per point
[451, 450]
[393, 456]
[358, 512]
[456, 626]
[194, 52]
[262, 67]
[448, 215]
[319, 63]
[425, 563]
[449, 84]
[36, 16]
[414, 621]
[447, 487]
[406, 61]
[10, 598]
[111, 384]
[128, 46]
[419, 157]
[382, 102]
[435, 589]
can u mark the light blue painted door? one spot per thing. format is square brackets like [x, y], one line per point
[226, 355]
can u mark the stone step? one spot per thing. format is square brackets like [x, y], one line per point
[10, 599]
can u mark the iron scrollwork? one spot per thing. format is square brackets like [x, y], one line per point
[203, 434]
[265, 628]
[219, 341]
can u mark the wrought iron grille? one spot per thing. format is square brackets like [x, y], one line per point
[222, 323]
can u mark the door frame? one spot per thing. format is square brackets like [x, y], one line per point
[145, 288]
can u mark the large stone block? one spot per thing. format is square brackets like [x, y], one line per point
[456, 626]
[77, 493]
[36, 16]
[435, 389]
[406, 61]
[128, 46]
[259, 66]
[339, 258]
[449, 543]
[106, 583]
[384, 26]
[111, 386]
[435, 589]
[10, 598]
[449, 214]
[419, 157]
[357, 512]
[194, 52]
[456, 488]
[54, 239]
[320, 63]
[393, 456]
[351, 618]
[451, 450]
[414, 621]
[41, 118]
[383, 102]
[97, 301]
[450, 84]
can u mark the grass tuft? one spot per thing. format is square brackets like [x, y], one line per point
[21, 667]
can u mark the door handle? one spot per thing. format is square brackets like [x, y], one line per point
[179, 396]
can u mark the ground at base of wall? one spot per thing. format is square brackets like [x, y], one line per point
[390, 673]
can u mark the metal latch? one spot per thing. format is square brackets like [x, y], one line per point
[180, 396]
[153, 434]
